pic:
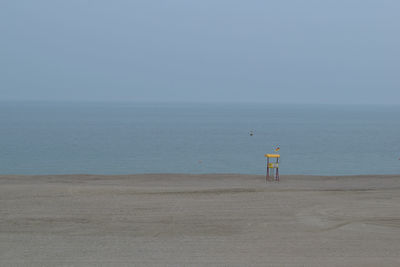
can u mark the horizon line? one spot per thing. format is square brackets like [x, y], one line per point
[91, 101]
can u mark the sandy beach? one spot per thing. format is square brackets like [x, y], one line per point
[199, 220]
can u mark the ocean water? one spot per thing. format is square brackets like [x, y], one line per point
[127, 138]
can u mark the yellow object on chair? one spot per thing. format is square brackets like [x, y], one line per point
[272, 155]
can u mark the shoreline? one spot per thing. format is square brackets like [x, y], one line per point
[195, 174]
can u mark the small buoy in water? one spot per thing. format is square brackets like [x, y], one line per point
[251, 133]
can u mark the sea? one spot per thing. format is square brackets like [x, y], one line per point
[133, 138]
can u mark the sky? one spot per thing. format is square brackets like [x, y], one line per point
[283, 51]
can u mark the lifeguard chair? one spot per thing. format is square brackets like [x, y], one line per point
[271, 166]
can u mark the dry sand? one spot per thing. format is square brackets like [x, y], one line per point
[199, 220]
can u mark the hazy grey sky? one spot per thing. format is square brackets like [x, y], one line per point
[296, 51]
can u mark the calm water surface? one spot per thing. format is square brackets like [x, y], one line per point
[110, 138]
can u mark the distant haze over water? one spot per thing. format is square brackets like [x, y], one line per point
[127, 138]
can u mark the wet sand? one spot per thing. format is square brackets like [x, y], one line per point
[199, 220]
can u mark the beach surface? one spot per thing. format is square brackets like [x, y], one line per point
[199, 220]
